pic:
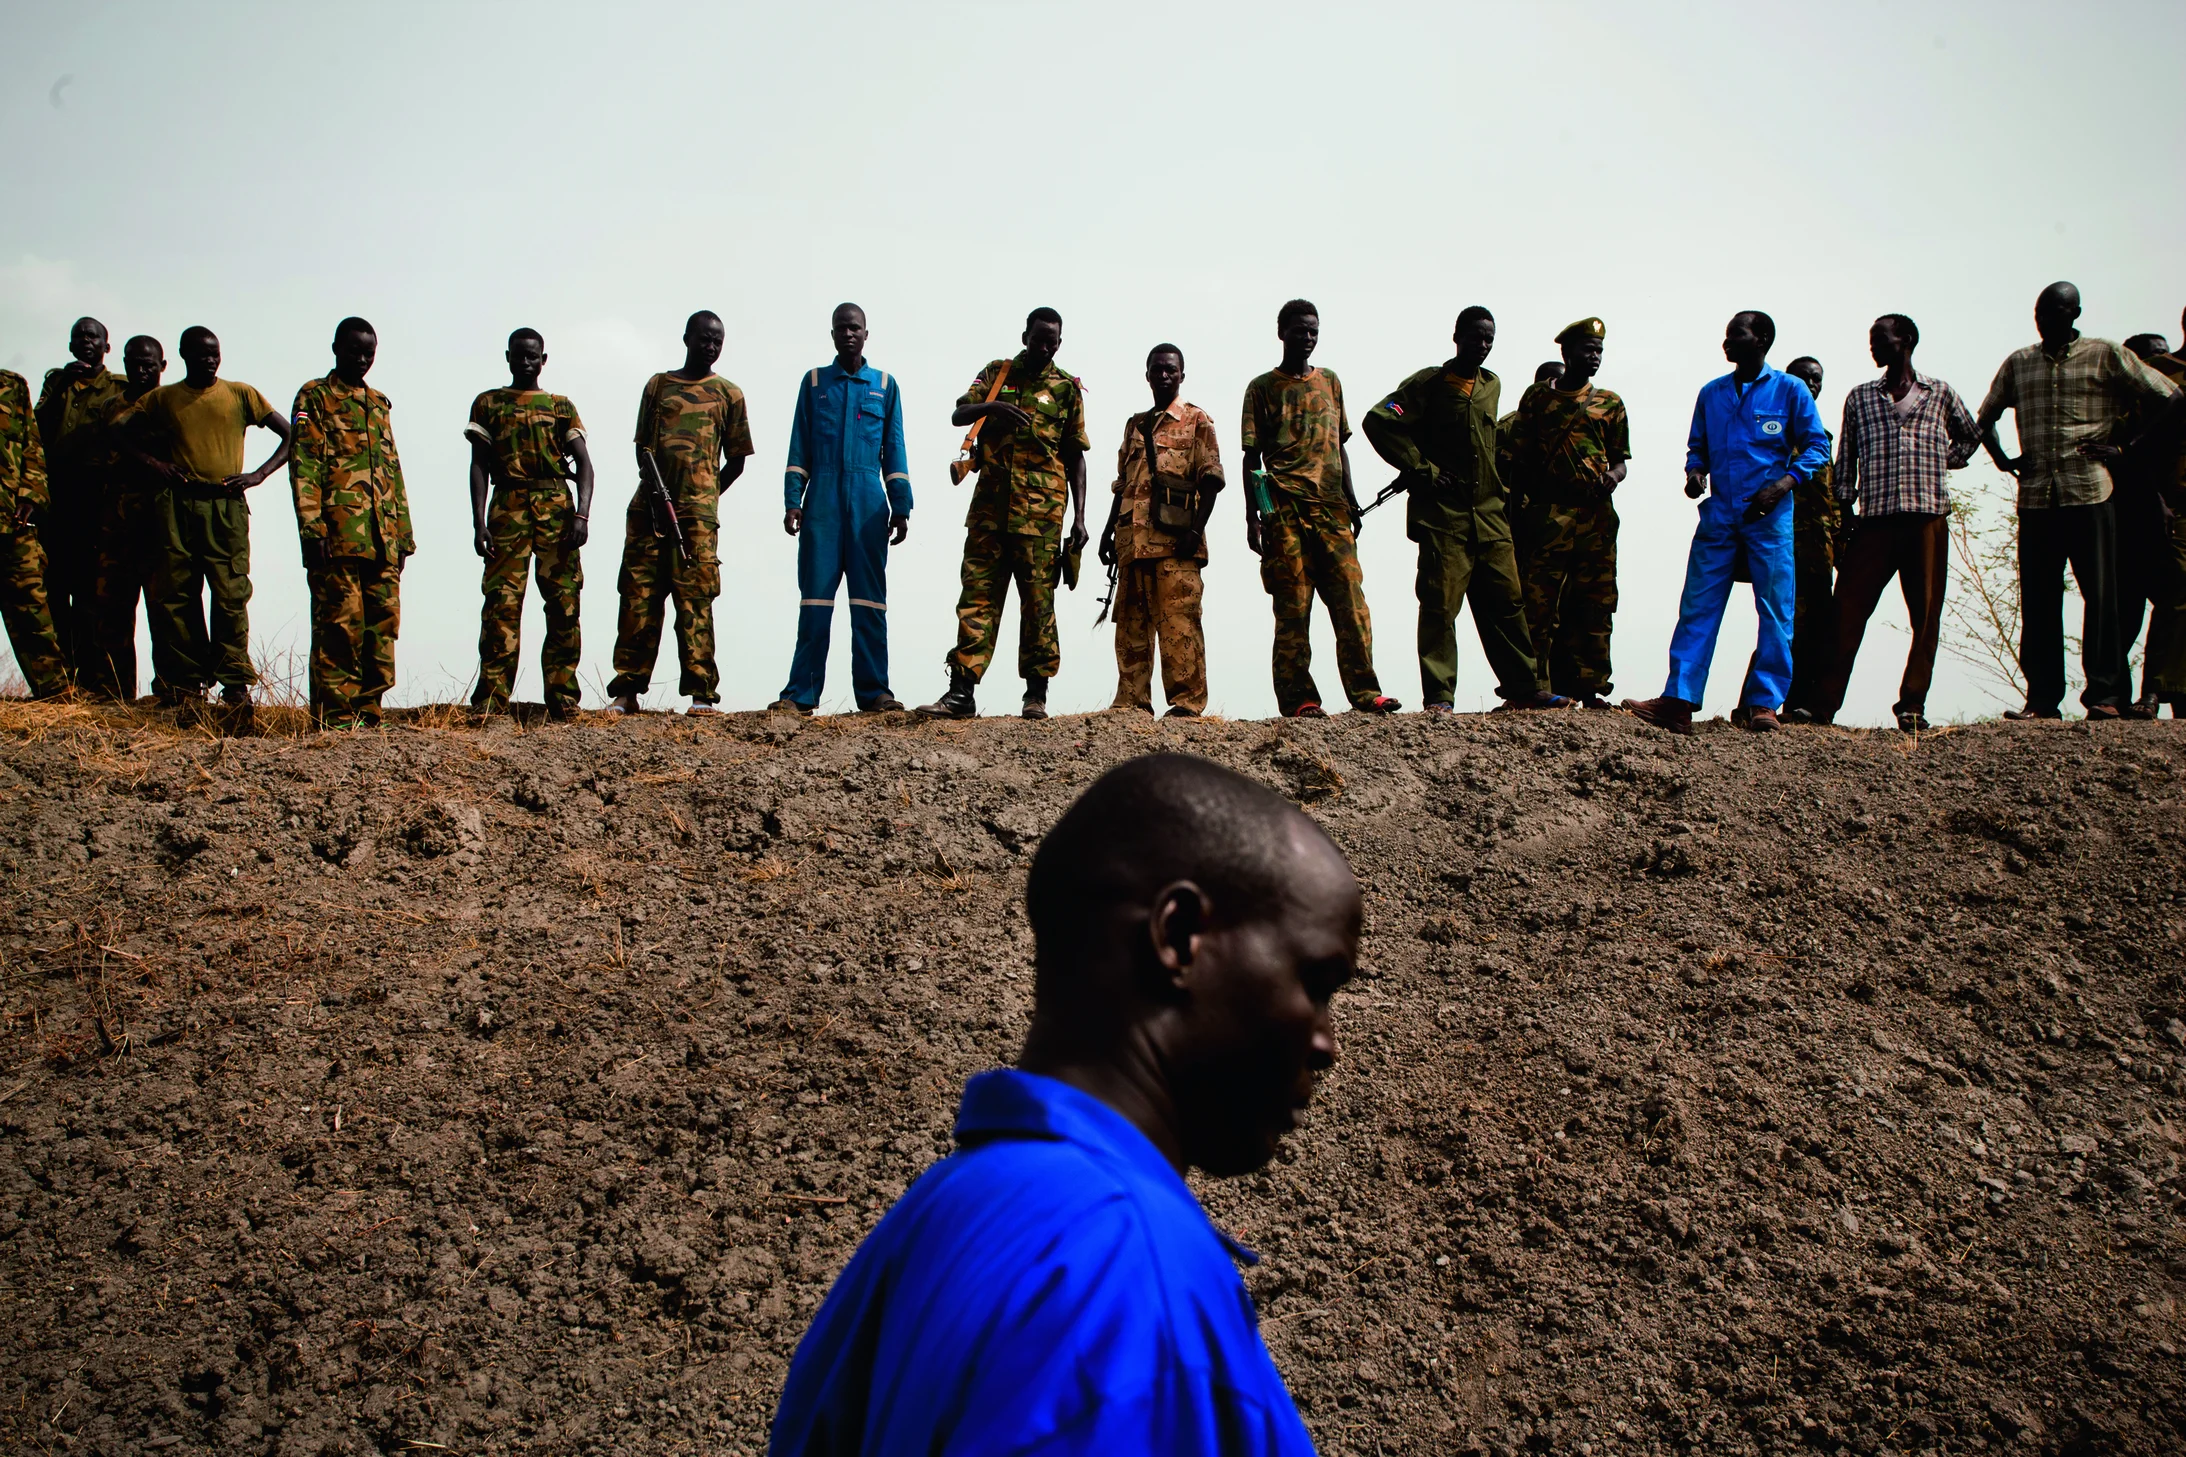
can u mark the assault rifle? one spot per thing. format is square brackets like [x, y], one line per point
[666, 524]
[1389, 492]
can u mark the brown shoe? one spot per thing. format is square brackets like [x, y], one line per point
[1761, 720]
[2030, 714]
[2103, 713]
[1674, 714]
[2144, 707]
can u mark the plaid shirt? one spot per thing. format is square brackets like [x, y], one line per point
[2064, 402]
[1897, 467]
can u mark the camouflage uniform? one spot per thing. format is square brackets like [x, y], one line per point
[74, 409]
[689, 425]
[527, 436]
[1307, 542]
[1013, 531]
[1158, 592]
[351, 508]
[1563, 445]
[1439, 423]
[1817, 523]
[22, 561]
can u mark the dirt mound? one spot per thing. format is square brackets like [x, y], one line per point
[523, 1089]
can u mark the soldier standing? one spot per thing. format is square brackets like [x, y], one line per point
[2163, 667]
[693, 423]
[354, 520]
[526, 447]
[1031, 451]
[74, 407]
[1168, 473]
[1570, 444]
[847, 499]
[130, 530]
[1302, 517]
[22, 559]
[1817, 534]
[1438, 429]
[190, 436]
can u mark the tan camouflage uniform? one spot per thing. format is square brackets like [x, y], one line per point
[1562, 445]
[22, 561]
[74, 409]
[1439, 422]
[1013, 531]
[689, 425]
[531, 517]
[1158, 592]
[1307, 544]
[350, 502]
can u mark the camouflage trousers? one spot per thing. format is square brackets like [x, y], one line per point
[202, 542]
[1567, 558]
[356, 614]
[1307, 549]
[653, 572]
[992, 561]
[1157, 601]
[23, 609]
[126, 569]
[530, 525]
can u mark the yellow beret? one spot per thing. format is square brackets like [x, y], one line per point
[1584, 329]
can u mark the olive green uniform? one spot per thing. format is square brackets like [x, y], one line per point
[531, 518]
[22, 559]
[1562, 444]
[1439, 428]
[75, 408]
[689, 425]
[2163, 660]
[1308, 544]
[1013, 531]
[353, 517]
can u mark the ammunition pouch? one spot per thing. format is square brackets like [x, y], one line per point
[1175, 502]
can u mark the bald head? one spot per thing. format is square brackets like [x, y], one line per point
[1190, 929]
[2056, 311]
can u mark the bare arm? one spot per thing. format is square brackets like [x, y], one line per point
[481, 539]
[1074, 467]
[278, 424]
[582, 531]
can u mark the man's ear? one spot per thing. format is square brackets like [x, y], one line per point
[1174, 924]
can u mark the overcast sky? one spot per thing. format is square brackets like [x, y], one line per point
[1154, 172]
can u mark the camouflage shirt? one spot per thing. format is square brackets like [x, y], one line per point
[689, 425]
[526, 433]
[1297, 423]
[346, 475]
[75, 411]
[1185, 450]
[1024, 482]
[22, 457]
[1562, 444]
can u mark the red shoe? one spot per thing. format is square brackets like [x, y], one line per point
[1674, 714]
[1382, 704]
[1309, 710]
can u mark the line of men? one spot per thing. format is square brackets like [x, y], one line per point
[1511, 513]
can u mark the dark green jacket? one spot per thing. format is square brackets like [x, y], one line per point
[1428, 424]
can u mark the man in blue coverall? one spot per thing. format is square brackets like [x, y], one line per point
[1053, 1285]
[848, 496]
[1756, 434]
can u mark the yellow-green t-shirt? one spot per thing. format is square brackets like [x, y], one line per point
[200, 431]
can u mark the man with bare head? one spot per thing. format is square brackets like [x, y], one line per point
[1053, 1286]
[74, 410]
[2068, 392]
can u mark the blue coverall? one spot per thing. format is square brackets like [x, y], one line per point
[1744, 437]
[847, 473]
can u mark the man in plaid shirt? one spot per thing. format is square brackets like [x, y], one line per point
[1902, 435]
[2069, 391]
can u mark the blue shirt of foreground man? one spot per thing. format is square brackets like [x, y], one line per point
[1052, 1287]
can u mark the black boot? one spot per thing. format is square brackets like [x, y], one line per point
[957, 702]
[1035, 698]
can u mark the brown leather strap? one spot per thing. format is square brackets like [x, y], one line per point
[971, 436]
